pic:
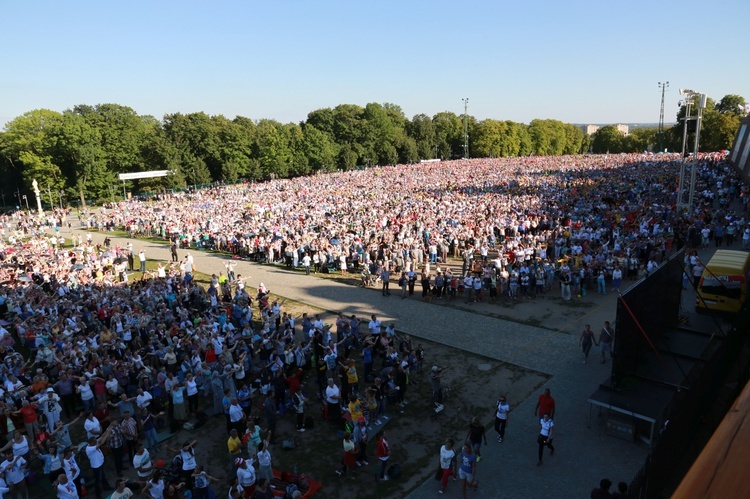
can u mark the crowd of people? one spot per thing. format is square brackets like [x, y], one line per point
[84, 341]
[597, 219]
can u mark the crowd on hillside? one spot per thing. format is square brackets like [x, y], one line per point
[82, 339]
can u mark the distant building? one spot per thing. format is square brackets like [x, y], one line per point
[590, 129]
[624, 129]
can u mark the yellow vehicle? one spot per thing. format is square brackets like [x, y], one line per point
[723, 286]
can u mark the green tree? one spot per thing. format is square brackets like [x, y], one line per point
[732, 104]
[640, 139]
[122, 133]
[448, 133]
[158, 153]
[194, 137]
[295, 138]
[573, 139]
[347, 157]
[422, 131]
[80, 148]
[408, 152]
[28, 147]
[490, 138]
[275, 155]
[319, 149]
[608, 139]
[718, 130]
[548, 137]
[324, 120]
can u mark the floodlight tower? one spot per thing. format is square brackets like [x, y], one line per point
[701, 104]
[466, 128]
[663, 87]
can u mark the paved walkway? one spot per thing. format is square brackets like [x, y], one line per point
[583, 455]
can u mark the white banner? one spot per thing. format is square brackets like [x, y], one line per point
[133, 176]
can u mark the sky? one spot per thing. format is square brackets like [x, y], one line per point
[579, 61]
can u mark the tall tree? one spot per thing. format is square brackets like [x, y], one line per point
[81, 148]
[121, 130]
[608, 139]
[733, 105]
[29, 148]
[422, 131]
[448, 133]
[319, 149]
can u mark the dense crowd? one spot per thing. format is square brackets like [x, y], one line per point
[82, 341]
[589, 220]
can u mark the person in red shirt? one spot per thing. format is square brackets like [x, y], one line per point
[545, 404]
[211, 354]
[383, 451]
[293, 382]
[28, 412]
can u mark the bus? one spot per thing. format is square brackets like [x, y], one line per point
[723, 285]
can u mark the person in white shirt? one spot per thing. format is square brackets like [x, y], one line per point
[501, 417]
[13, 467]
[446, 464]
[155, 486]
[66, 489]
[264, 460]
[71, 468]
[333, 399]
[96, 460]
[245, 473]
[87, 395]
[236, 415]
[121, 490]
[374, 326]
[92, 426]
[143, 399]
[545, 436]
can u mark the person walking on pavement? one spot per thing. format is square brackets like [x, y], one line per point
[606, 338]
[545, 404]
[587, 339]
[501, 417]
[545, 437]
[475, 435]
[383, 451]
[446, 459]
[467, 470]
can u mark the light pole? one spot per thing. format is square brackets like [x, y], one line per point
[466, 128]
[689, 95]
[59, 194]
[663, 87]
[27, 202]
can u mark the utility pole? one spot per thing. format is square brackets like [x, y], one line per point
[466, 128]
[663, 87]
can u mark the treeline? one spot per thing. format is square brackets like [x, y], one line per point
[79, 152]
[720, 123]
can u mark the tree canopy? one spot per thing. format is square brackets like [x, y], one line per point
[81, 151]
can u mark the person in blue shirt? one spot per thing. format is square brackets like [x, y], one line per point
[468, 468]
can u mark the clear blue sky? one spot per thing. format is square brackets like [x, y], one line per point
[580, 61]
